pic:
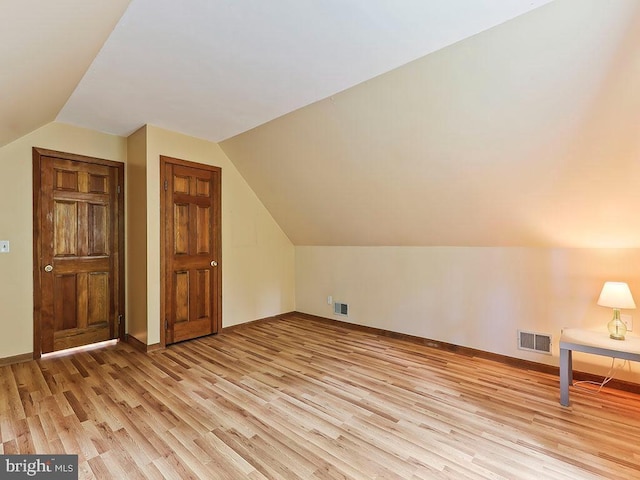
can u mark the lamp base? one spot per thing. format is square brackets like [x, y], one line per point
[617, 328]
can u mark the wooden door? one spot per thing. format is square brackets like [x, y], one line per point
[191, 283]
[78, 250]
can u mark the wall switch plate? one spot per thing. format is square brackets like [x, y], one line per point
[4, 246]
[628, 321]
[329, 300]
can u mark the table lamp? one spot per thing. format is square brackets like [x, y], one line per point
[616, 295]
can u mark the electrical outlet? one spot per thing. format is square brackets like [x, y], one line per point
[628, 321]
[4, 246]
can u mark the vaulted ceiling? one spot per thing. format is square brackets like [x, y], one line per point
[210, 68]
[527, 134]
[45, 49]
[363, 122]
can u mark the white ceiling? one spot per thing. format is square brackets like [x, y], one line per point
[217, 68]
[525, 134]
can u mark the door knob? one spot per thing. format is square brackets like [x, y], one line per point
[48, 268]
[214, 263]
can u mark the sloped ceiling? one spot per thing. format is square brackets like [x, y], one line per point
[527, 134]
[515, 122]
[45, 49]
[216, 68]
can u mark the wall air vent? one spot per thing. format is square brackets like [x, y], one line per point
[341, 309]
[534, 342]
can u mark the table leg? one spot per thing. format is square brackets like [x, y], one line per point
[566, 375]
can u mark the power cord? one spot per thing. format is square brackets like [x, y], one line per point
[607, 379]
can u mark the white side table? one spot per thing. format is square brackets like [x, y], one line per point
[597, 343]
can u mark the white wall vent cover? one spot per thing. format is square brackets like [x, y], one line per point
[341, 309]
[534, 342]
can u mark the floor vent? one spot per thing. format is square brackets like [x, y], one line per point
[534, 342]
[341, 309]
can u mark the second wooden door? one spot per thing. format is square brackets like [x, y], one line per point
[190, 216]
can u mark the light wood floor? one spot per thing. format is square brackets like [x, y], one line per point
[301, 398]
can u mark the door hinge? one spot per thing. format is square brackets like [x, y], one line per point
[166, 184]
[118, 189]
[120, 317]
[166, 324]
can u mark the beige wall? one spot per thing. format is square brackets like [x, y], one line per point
[136, 234]
[471, 296]
[257, 257]
[16, 215]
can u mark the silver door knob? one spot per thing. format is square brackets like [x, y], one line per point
[214, 263]
[48, 268]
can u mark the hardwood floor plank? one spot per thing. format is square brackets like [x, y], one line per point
[172, 467]
[222, 459]
[10, 447]
[10, 401]
[97, 467]
[38, 437]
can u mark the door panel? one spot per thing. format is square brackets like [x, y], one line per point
[191, 286]
[203, 230]
[78, 241]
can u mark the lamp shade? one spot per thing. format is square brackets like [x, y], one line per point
[616, 295]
